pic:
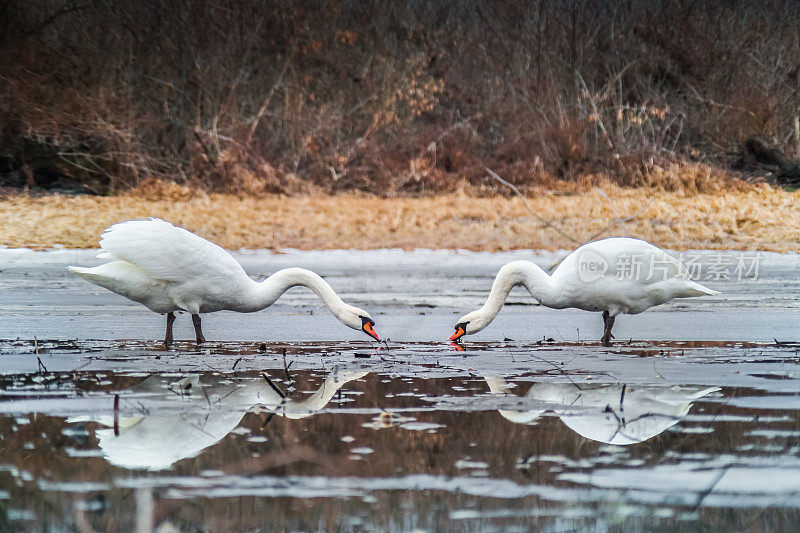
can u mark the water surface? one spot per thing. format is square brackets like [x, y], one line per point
[376, 443]
[288, 420]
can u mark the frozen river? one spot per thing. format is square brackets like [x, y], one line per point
[413, 296]
[288, 420]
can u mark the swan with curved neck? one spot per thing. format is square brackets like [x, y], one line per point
[614, 276]
[169, 269]
[613, 413]
[147, 433]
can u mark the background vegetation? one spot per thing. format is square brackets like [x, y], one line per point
[390, 97]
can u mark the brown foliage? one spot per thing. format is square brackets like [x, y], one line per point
[393, 98]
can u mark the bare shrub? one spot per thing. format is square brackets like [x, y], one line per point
[392, 98]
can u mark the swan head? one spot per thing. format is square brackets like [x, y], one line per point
[470, 323]
[356, 318]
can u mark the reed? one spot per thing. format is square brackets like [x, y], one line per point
[747, 217]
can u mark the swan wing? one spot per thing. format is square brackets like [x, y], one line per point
[166, 252]
[621, 258]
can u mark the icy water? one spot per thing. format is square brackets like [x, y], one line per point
[289, 421]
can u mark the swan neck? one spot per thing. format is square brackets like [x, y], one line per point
[497, 385]
[315, 402]
[525, 273]
[268, 291]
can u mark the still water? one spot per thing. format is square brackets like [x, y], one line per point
[374, 447]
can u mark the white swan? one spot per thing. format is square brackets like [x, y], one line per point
[163, 420]
[613, 413]
[615, 276]
[169, 269]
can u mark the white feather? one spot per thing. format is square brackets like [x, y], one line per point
[611, 413]
[167, 252]
[161, 423]
[168, 269]
[626, 276]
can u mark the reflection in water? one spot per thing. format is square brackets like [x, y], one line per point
[166, 420]
[442, 460]
[610, 413]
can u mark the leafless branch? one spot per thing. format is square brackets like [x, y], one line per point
[528, 207]
[619, 220]
[263, 108]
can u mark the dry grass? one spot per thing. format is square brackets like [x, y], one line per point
[747, 217]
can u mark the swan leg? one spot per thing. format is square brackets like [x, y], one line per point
[608, 321]
[198, 330]
[168, 336]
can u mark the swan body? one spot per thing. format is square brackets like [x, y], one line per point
[169, 269]
[163, 420]
[611, 413]
[614, 276]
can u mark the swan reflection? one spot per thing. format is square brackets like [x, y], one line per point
[610, 413]
[163, 419]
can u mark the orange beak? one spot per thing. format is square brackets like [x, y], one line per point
[458, 334]
[369, 330]
[457, 347]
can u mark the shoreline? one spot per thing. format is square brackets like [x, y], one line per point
[755, 218]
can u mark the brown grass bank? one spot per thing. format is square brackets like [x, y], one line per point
[748, 218]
